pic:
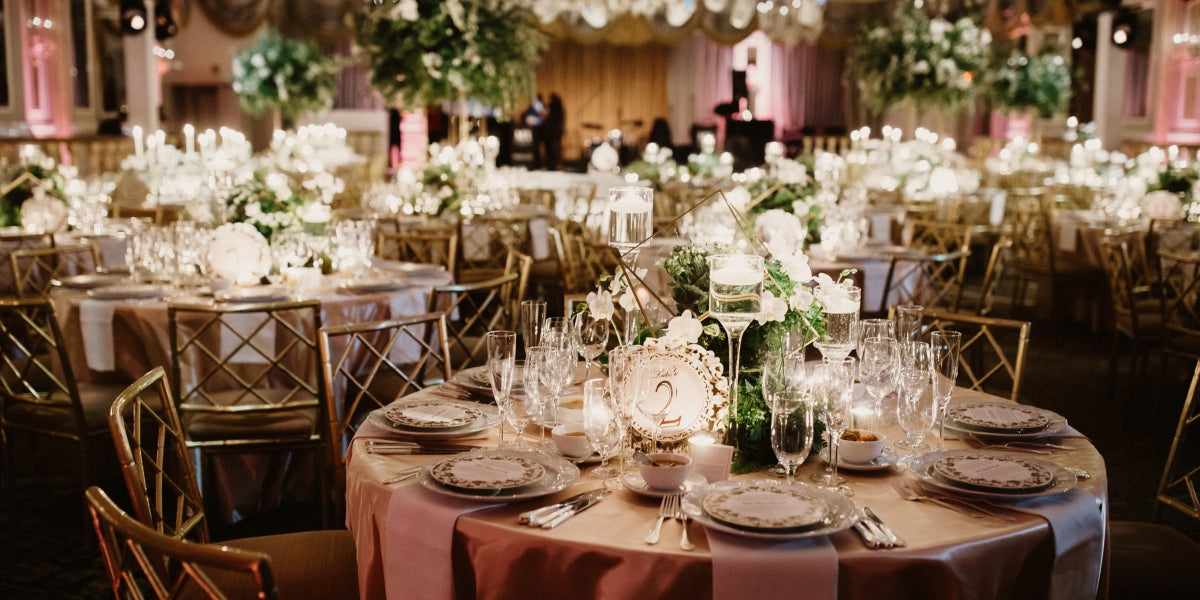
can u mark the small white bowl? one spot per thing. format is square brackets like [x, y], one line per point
[571, 440]
[668, 472]
[860, 451]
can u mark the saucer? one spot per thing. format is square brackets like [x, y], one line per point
[885, 460]
[633, 482]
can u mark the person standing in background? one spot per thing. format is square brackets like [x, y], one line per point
[552, 132]
[534, 118]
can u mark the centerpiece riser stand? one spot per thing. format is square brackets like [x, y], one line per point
[260, 130]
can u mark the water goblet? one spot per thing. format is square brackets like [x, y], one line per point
[591, 335]
[832, 388]
[841, 318]
[914, 374]
[735, 289]
[786, 392]
[908, 322]
[629, 220]
[945, 348]
[601, 423]
[877, 370]
[502, 354]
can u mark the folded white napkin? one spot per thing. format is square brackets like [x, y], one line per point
[539, 242]
[766, 570]
[95, 320]
[418, 540]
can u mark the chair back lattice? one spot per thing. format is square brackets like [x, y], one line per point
[236, 367]
[472, 310]
[933, 281]
[1123, 258]
[426, 246]
[997, 266]
[154, 459]
[993, 350]
[1181, 475]
[144, 563]
[1180, 281]
[369, 365]
[1030, 226]
[34, 367]
[35, 269]
[11, 243]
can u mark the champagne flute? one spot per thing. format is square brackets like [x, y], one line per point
[533, 316]
[735, 289]
[841, 318]
[908, 322]
[873, 328]
[626, 386]
[601, 423]
[536, 387]
[629, 220]
[915, 409]
[502, 354]
[654, 404]
[945, 347]
[591, 336]
[877, 369]
[560, 361]
[832, 395]
[792, 416]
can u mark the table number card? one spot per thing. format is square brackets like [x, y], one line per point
[688, 380]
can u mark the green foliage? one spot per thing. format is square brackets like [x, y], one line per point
[1041, 82]
[48, 179]
[263, 203]
[278, 72]
[1177, 180]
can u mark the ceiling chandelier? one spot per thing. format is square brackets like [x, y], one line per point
[786, 22]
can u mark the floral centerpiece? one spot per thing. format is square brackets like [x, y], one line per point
[278, 72]
[271, 202]
[931, 62]
[657, 166]
[447, 178]
[1040, 82]
[424, 52]
[36, 177]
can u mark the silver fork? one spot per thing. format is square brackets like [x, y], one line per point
[665, 511]
[683, 518]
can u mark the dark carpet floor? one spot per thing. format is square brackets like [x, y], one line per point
[44, 552]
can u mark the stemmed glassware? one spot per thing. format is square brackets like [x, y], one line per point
[877, 369]
[735, 289]
[630, 211]
[945, 347]
[786, 392]
[841, 320]
[591, 336]
[873, 328]
[601, 423]
[537, 388]
[916, 409]
[654, 404]
[625, 385]
[832, 387]
[502, 358]
[533, 317]
[908, 322]
[560, 361]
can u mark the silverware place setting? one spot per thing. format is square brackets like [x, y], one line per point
[553, 515]
[399, 447]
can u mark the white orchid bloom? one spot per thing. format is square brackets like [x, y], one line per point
[685, 328]
[802, 299]
[834, 296]
[796, 267]
[773, 309]
[600, 305]
[628, 300]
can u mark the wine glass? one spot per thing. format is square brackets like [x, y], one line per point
[591, 336]
[915, 409]
[945, 347]
[601, 423]
[877, 370]
[832, 388]
[786, 392]
[873, 328]
[533, 316]
[535, 383]
[625, 385]
[841, 318]
[735, 287]
[908, 322]
[502, 355]
[629, 220]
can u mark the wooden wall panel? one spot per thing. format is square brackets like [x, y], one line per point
[605, 87]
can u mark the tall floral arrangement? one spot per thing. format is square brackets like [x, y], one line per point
[1041, 82]
[426, 51]
[931, 62]
[278, 72]
[37, 177]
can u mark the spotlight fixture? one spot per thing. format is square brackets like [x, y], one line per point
[1122, 29]
[133, 17]
[166, 26]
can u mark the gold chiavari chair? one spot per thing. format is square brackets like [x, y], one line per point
[933, 281]
[993, 350]
[1152, 559]
[369, 365]
[35, 269]
[247, 378]
[144, 563]
[158, 215]
[1180, 298]
[10, 243]
[427, 246]
[39, 393]
[1136, 307]
[472, 310]
[1035, 255]
[152, 448]
[998, 263]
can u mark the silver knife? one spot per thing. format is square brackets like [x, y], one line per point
[527, 516]
[575, 509]
[896, 540]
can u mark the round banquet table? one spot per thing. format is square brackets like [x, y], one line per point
[600, 553]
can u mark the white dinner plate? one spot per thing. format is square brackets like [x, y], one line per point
[487, 472]
[432, 415]
[91, 280]
[841, 513]
[123, 291]
[998, 418]
[490, 418]
[253, 294]
[634, 482]
[557, 474]
[923, 469]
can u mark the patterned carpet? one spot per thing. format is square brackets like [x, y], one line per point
[45, 554]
